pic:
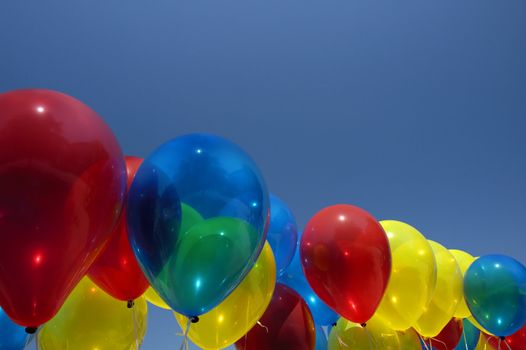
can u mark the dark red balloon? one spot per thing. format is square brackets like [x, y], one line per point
[286, 324]
[516, 341]
[62, 184]
[449, 337]
[116, 270]
[346, 259]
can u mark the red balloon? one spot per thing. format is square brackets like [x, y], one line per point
[516, 341]
[62, 184]
[449, 337]
[286, 324]
[116, 270]
[346, 259]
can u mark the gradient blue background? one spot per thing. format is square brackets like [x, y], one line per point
[414, 110]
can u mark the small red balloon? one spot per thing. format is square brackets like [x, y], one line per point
[62, 184]
[286, 324]
[346, 259]
[449, 337]
[116, 270]
[516, 341]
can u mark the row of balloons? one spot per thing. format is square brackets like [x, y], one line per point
[88, 235]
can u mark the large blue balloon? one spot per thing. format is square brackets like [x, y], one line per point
[295, 279]
[282, 233]
[198, 210]
[321, 339]
[470, 336]
[12, 336]
[495, 292]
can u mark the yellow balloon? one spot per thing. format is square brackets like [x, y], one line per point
[91, 319]
[239, 312]
[484, 345]
[413, 276]
[476, 324]
[409, 340]
[464, 260]
[154, 298]
[376, 335]
[448, 293]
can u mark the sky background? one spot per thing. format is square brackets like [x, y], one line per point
[414, 110]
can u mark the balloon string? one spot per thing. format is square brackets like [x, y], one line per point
[499, 343]
[36, 340]
[184, 345]
[438, 341]
[340, 340]
[508, 345]
[465, 340]
[262, 325]
[134, 316]
[423, 342]
[372, 342]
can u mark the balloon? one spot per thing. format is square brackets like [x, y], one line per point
[464, 260]
[62, 184]
[474, 322]
[91, 319]
[116, 270]
[516, 341]
[470, 336]
[409, 340]
[376, 335]
[12, 336]
[239, 312]
[484, 344]
[321, 339]
[449, 336]
[346, 259]
[413, 276]
[286, 324]
[495, 291]
[282, 233]
[295, 279]
[448, 293]
[154, 298]
[194, 270]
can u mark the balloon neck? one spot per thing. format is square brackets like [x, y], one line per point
[334, 324]
[130, 304]
[31, 330]
[194, 319]
[363, 325]
[502, 338]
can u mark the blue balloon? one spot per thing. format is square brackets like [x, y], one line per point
[295, 279]
[495, 292]
[470, 336]
[321, 339]
[198, 210]
[282, 233]
[12, 336]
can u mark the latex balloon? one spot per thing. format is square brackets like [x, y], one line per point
[449, 336]
[238, 313]
[484, 344]
[474, 322]
[409, 339]
[346, 259]
[464, 260]
[154, 298]
[62, 184]
[116, 270]
[286, 324]
[321, 339]
[194, 270]
[413, 276]
[295, 279]
[516, 341]
[448, 293]
[495, 291]
[282, 233]
[12, 336]
[91, 319]
[470, 336]
[376, 335]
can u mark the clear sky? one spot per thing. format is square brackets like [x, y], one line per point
[414, 110]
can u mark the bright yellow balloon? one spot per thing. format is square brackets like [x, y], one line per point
[376, 335]
[464, 260]
[91, 319]
[476, 324]
[239, 312]
[484, 345]
[409, 340]
[448, 293]
[154, 298]
[413, 276]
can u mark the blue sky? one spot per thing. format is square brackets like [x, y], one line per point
[414, 110]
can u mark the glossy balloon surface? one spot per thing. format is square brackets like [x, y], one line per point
[154, 298]
[464, 260]
[470, 336]
[12, 336]
[282, 233]
[321, 339]
[194, 268]
[376, 335]
[62, 185]
[449, 336]
[516, 341]
[346, 259]
[409, 339]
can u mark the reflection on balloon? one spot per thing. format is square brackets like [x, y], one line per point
[375, 335]
[91, 319]
[238, 313]
[464, 260]
[282, 233]
[321, 339]
[516, 341]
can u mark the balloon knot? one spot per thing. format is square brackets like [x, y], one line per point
[130, 304]
[363, 324]
[31, 330]
[194, 319]
[502, 338]
[334, 324]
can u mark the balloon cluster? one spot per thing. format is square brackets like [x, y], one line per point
[87, 236]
